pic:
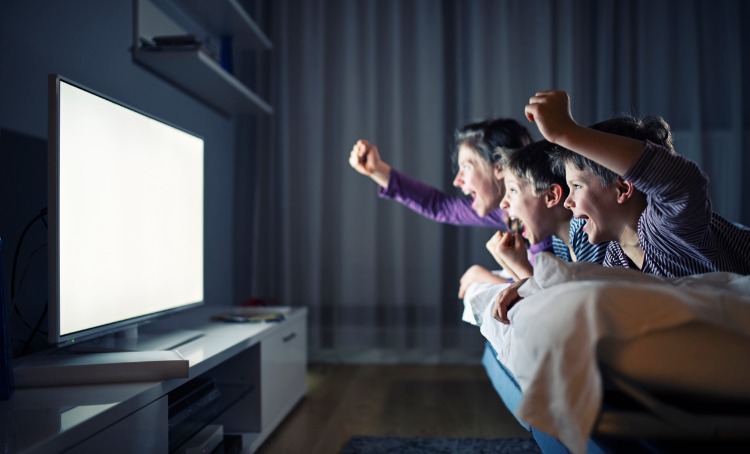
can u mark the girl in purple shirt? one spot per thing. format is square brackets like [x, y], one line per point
[479, 176]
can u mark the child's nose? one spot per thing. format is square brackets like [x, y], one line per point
[569, 203]
[459, 180]
[504, 204]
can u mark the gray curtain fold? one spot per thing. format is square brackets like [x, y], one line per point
[381, 282]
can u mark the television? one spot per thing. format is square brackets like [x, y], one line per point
[125, 210]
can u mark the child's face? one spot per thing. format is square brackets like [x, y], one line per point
[591, 200]
[475, 178]
[521, 203]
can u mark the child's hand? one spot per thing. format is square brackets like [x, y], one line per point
[550, 110]
[505, 300]
[509, 250]
[492, 245]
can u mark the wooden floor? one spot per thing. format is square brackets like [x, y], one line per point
[388, 400]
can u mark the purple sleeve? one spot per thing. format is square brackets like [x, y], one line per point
[436, 205]
[543, 246]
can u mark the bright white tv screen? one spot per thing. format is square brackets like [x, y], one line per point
[128, 191]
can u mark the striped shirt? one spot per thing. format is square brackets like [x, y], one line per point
[678, 231]
[579, 242]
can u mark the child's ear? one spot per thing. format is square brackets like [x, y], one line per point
[553, 195]
[625, 190]
[497, 170]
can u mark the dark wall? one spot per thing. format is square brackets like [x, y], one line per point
[89, 42]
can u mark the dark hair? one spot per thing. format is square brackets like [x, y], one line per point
[485, 136]
[652, 128]
[535, 163]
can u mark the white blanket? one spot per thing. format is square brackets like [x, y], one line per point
[478, 296]
[550, 344]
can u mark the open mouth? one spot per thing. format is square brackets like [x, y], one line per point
[473, 196]
[585, 218]
[515, 226]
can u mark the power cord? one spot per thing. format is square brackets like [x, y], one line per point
[39, 216]
[14, 307]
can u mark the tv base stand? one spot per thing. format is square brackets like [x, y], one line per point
[142, 339]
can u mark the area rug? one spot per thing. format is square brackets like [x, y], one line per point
[361, 444]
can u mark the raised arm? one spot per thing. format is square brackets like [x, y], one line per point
[435, 204]
[418, 196]
[550, 110]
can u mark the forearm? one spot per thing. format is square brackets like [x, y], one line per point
[381, 174]
[518, 270]
[551, 111]
[616, 153]
[522, 271]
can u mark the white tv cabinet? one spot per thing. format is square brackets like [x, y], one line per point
[259, 370]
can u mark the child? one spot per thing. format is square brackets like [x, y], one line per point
[631, 189]
[479, 175]
[534, 194]
[657, 213]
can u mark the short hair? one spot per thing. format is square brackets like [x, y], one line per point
[652, 128]
[535, 163]
[485, 136]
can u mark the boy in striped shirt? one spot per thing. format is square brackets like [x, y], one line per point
[534, 193]
[631, 188]
[656, 212]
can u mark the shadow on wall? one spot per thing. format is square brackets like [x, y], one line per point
[23, 196]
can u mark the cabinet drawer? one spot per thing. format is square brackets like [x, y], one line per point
[283, 371]
[143, 431]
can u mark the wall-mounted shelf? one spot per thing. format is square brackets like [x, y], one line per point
[229, 17]
[201, 76]
[195, 70]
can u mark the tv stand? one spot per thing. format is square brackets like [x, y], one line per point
[256, 372]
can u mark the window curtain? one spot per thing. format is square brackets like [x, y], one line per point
[381, 282]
